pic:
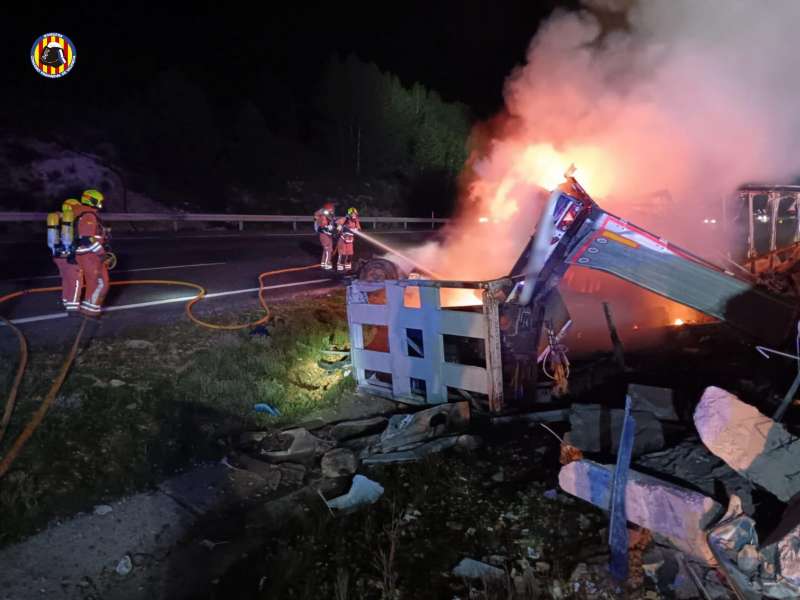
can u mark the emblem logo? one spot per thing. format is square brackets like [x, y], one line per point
[53, 55]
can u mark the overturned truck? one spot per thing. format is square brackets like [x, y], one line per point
[408, 345]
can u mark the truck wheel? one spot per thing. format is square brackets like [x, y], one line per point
[378, 269]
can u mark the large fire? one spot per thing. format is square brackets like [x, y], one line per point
[690, 97]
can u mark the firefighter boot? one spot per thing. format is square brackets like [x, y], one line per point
[348, 263]
[326, 260]
[340, 263]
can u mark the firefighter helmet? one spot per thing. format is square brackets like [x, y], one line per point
[53, 55]
[352, 212]
[92, 198]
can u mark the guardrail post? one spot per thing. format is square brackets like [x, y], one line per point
[175, 226]
[433, 216]
[241, 225]
[294, 225]
[374, 224]
[405, 224]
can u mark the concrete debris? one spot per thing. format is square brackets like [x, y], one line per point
[754, 445]
[690, 461]
[252, 438]
[339, 462]
[595, 428]
[363, 492]
[354, 429]
[271, 474]
[656, 400]
[680, 515]
[417, 452]
[405, 430]
[304, 448]
[102, 509]
[469, 568]
[362, 443]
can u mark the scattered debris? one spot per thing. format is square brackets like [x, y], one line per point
[263, 407]
[404, 430]
[271, 474]
[691, 462]
[595, 428]
[304, 447]
[339, 462]
[416, 452]
[469, 568]
[754, 445]
[354, 429]
[124, 566]
[656, 400]
[677, 513]
[363, 492]
[102, 509]
[618, 530]
[543, 416]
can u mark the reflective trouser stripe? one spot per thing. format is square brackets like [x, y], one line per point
[100, 287]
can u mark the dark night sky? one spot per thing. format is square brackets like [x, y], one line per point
[464, 49]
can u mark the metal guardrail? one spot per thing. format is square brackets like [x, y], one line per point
[176, 218]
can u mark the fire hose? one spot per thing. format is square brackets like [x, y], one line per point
[50, 397]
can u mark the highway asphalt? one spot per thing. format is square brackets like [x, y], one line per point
[226, 264]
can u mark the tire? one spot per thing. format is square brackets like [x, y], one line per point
[378, 269]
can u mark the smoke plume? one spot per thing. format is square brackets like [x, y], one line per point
[688, 96]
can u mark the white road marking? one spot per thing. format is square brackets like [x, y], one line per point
[52, 316]
[124, 271]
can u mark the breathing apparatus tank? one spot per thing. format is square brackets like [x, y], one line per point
[53, 233]
[68, 225]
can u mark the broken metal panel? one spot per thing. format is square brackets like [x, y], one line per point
[618, 525]
[634, 255]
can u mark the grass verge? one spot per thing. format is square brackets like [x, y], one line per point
[137, 409]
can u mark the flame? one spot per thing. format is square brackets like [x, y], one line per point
[678, 322]
[543, 166]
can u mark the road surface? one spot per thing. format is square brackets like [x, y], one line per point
[226, 264]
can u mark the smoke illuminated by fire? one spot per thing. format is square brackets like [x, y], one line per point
[691, 97]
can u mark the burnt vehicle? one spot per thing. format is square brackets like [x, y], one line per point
[525, 316]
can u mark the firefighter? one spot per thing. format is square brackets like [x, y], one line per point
[61, 240]
[325, 226]
[344, 247]
[90, 252]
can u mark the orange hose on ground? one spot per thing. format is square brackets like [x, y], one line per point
[38, 417]
[23, 363]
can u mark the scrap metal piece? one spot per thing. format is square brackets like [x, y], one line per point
[618, 525]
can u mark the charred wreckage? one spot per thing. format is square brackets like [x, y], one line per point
[408, 345]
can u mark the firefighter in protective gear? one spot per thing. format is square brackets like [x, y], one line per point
[346, 227]
[325, 226]
[90, 252]
[60, 227]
